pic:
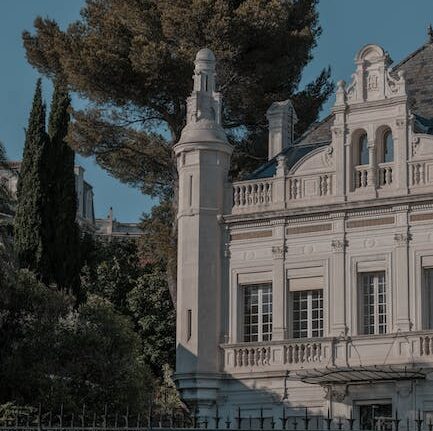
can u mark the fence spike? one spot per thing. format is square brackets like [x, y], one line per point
[217, 417]
[228, 423]
[239, 419]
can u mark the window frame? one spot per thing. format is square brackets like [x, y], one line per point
[427, 298]
[309, 319]
[375, 274]
[385, 136]
[362, 139]
[261, 335]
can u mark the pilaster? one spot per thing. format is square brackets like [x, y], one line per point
[279, 294]
[338, 287]
[401, 265]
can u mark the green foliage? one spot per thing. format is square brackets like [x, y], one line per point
[31, 242]
[133, 60]
[47, 238]
[51, 352]
[137, 288]
[61, 203]
[150, 305]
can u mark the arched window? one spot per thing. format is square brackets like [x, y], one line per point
[363, 150]
[388, 147]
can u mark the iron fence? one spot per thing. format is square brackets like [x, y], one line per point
[36, 419]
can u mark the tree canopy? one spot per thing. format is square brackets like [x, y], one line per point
[133, 60]
[31, 233]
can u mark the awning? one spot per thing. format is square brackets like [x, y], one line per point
[354, 375]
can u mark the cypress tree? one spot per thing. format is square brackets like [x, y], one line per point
[30, 234]
[61, 210]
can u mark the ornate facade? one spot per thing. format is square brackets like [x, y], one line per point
[310, 284]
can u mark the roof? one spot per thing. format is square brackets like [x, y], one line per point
[319, 134]
[418, 68]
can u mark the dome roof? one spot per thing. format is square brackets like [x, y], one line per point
[205, 54]
[203, 131]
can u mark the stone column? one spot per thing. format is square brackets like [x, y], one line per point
[337, 288]
[400, 137]
[279, 294]
[349, 183]
[372, 166]
[402, 292]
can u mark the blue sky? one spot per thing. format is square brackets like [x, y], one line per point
[398, 25]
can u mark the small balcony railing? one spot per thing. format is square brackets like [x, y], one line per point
[417, 173]
[252, 195]
[361, 174]
[385, 174]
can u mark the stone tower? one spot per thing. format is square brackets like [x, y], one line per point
[203, 160]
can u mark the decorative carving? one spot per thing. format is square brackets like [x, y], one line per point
[372, 82]
[370, 243]
[399, 122]
[404, 389]
[327, 155]
[402, 238]
[337, 131]
[308, 249]
[415, 145]
[249, 255]
[279, 251]
[227, 252]
[338, 245]
[337, 393]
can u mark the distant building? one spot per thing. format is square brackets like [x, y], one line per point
[108, 227]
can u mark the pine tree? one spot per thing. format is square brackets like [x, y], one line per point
[62, 204]
[30, 233]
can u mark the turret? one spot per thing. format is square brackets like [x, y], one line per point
[203, 160]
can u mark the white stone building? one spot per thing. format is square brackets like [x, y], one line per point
[310, 285]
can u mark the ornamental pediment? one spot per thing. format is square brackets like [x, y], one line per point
[372, 79]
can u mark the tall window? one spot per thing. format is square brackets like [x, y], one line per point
[388, 147]
[427, 298]
[258, 312]
[363, 158]
[373, 291]
[308, 313]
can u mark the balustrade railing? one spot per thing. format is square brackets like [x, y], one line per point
[426, 345]
[361, 179]
[325, 185]
[294, 188]
[296, 354]
[252, 356]
[250, 194]
[292, 353]
[385, 174]
[417, 173]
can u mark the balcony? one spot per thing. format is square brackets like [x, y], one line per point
[319, 353]
[278, 192]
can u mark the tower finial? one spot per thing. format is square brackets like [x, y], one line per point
[430, 33]
[204, 72]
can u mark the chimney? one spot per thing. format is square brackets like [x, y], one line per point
[282, 119]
